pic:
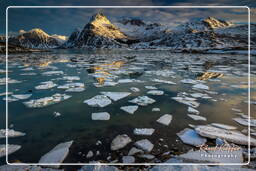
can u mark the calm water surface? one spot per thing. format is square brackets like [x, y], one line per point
[44, 131]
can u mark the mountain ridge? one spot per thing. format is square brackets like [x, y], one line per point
[134, 33]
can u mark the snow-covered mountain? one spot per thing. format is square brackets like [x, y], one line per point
[37, 38]
[98, 33]
[209, 33]
[199, 34]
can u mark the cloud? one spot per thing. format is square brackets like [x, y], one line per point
[63, 21]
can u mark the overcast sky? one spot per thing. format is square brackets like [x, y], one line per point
[64, 21]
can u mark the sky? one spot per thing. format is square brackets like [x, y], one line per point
[63, 21]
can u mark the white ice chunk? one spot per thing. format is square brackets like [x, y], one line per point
[101, 116]
[129, 109]
[143, 131]
[98, 101]
[116, 95]
[143, 100]
[165, 119]
[189, 136]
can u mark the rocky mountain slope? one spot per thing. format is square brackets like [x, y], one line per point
[37, 38]
[202, 34]
[98, 33]
[208, 33]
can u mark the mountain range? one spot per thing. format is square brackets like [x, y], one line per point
[100, 32]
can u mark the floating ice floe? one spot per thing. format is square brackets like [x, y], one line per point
[11, 149]
[45, 101]
[105, 84]
[11, 133]
[120, 142]
[155, 92]
[163, 81]
[71, 78]
[245, 121]
[4, 93]
[156, 110]
[128, 159]
[228, 135]
[187, 101]
[165, 119]
[143, 100]
[29, 73]
[189, 136]
[48, 73]
[101, 116]
[75, 89]
[56, 114]
[236, 110]
[218, 125]
[163, 73]
[21, 96]
[28, 69]
[116, 95]
[200, 95]
[9, 81]
[46, 85]
[10, 99]
[145, 145]
[135, 89]
[98, 101]
[201, 86]
[150, 87]
[143, 131]
[57, 154]
[197, 117]
[72, 87]
[129, 81]
[189, 81]
[192, 110]
[129, 109]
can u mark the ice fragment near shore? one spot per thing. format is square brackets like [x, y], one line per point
[189, 136]
[57, 154]
[11, 149]
[145, 145]
[120, 142]
[230, 136]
